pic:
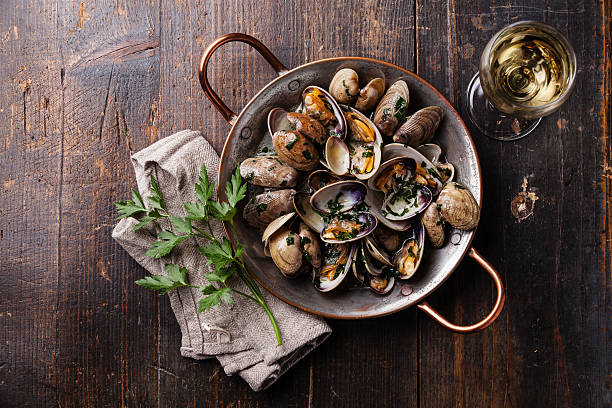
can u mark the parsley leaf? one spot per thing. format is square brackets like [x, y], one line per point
[236, 189]
[222, 210]
[204, 188]
[221, 274]
[214, 297]
[220, 254]
[181, 224]
[131, 208]
[196, 211]
[166, 242]
[156, 200]
[176, 278]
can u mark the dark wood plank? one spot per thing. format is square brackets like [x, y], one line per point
[543, 350]
[30, 157]
[107, 328]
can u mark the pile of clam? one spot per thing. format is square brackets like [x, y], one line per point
[353, 185]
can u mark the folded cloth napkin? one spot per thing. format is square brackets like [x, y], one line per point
[239, 335]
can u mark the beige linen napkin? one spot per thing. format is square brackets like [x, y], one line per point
[239, 335]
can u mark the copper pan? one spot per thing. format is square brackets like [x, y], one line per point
[247, 129]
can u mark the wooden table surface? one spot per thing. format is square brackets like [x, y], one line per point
[88, 83]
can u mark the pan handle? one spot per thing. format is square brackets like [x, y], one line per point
[497, 308]
[227, 113]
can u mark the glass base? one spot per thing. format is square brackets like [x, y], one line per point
[493, 123]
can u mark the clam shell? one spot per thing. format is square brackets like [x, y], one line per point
[367, 219]
[337, 157]
[431, 151]
[301, 204]
[365, 138]
[387, 169]
[273, 227]
[374, 200]
[286, 252]
[309, 127]
[343, 195]
[458, 206]
[353, 116]
[310, 245]
[419, 128]
[321, 178]
[407, 267]
[377, 253]
[315, 110]
[268, 171]
[295, 150]
[433, 225]
[344, 86]
[382, 284]
[391, 108]
[357, 265]
[361, 168]
[264, 208]
[370, 94]
[322, 283]
[394, 150]
[372, 266]
[396, 207]
[387, 238]
[277, 121]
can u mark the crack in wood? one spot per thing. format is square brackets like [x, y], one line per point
[124, 51]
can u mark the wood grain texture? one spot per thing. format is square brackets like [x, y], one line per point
[88, 82]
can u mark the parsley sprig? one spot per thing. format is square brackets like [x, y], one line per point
[225, 258]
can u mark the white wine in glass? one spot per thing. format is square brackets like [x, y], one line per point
[527, 70]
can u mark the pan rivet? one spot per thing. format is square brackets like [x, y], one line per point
[294, 85]
[456, 238]
[407, 290]
[246, 133]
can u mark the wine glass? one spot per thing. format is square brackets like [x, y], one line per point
[527, 70]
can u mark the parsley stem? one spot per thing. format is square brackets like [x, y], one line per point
[204, 234]
[245, 295]
[254, 287]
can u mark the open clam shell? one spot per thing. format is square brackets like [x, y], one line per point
[319, 104]
[321, 178]
[301, 204]
[273, 227]
[374, 200]
[337, 261]
[433, 153]
[336, 156]
[277, 120]
[339, 197]
[344, 228]
[376, 251]
[407, 201]
[408, 259]
[394, 150]
[364, 145]
[390, 171]
[382, 284]
[358, 265]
